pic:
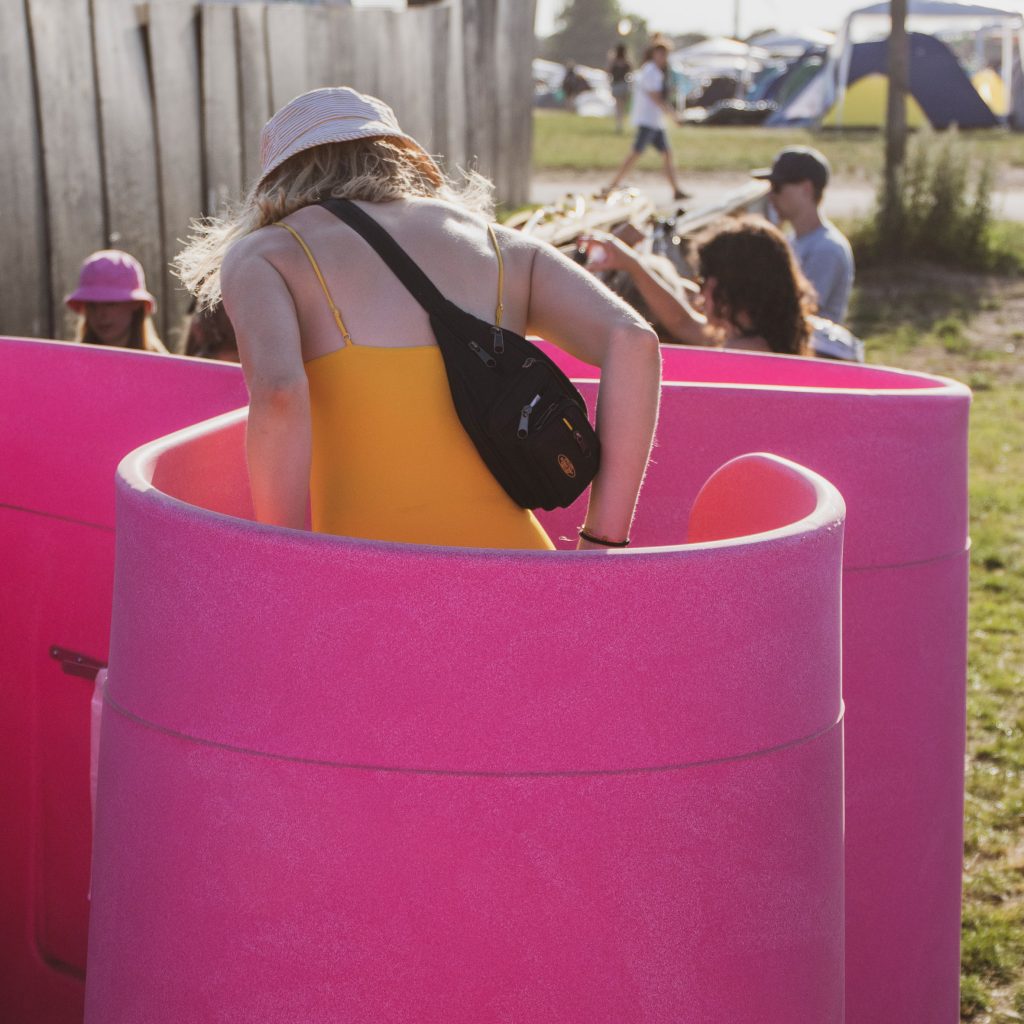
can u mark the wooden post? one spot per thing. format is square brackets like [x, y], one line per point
[895, 121]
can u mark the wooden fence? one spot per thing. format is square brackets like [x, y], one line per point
[122, 121]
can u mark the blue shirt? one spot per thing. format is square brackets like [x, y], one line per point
[826, 259]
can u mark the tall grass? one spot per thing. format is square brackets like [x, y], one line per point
[940, 210]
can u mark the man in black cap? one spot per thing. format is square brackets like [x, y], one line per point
[798, 178]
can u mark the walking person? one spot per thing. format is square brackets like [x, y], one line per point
[650, 110]
[619, 72]
[351, 414]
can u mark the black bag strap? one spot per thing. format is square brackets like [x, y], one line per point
[401, 263]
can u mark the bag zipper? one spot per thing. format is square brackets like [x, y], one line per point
[485, 357]
[524, 417]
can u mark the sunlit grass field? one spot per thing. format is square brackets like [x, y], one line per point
[565, 142]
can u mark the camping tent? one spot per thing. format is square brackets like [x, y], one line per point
[939, 83]
[792, 44]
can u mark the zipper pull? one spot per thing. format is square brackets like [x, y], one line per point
[497, 340]
[524, 417]
[529, 362]
[486, 358]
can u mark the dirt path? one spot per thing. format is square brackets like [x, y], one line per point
[847, 196]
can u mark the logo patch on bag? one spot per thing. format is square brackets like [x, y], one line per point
[566, 466]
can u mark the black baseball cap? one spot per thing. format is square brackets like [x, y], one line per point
[796, 163]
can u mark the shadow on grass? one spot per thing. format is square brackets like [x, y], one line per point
[903, 304]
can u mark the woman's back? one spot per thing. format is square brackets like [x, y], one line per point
[346, 383]
[390, 459]
[451, 245]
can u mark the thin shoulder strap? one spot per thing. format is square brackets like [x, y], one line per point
[320, 277]
[499, 309]
[422, 289]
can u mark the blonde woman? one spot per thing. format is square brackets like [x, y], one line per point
[112, 303]
[350, 412]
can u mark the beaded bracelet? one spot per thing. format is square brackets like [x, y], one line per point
[602, 540]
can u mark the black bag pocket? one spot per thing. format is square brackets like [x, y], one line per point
[561, 449]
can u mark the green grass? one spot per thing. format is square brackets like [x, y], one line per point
[565, 142]
[967, 326]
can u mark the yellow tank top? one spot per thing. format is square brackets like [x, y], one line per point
[391, 461]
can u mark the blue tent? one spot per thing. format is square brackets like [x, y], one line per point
[938, 81]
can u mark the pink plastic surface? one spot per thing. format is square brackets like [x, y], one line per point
[895, 445]
[377, 782]
[69, 413]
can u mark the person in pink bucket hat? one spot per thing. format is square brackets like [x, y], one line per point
[350, 414]
[113, 306]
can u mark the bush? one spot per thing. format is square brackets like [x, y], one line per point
[940, 210]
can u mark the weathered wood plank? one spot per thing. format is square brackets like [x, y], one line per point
[514, 114]
[286, 38]
[128, 138]
[174, 68]
[450, 80]
[26, 285]
[478, 25]
[437, 46]
[254, 70]
[222, 123]
[341, 33]
[318, 48]
[371, 28]
[177, 103]
[71, 149]
[415, 110]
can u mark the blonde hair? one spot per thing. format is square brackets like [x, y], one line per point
[142, 334]
[373, 170]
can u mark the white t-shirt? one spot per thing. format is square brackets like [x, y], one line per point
[647, 113]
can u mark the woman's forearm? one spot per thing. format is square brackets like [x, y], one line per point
[627, 414]
[671, 310]
[279, 446]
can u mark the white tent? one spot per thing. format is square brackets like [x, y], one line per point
[792, 43]
[720, 56]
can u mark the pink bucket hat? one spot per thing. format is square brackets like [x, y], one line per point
[334, 115]
[110, 276]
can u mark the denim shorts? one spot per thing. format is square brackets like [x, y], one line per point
[650, 137]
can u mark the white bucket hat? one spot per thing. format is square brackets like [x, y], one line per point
[334, 115]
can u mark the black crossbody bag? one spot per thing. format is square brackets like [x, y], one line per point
[525, 417]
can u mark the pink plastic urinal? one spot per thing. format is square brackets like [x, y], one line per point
[69, 414]
[358, 781]
[895, 444]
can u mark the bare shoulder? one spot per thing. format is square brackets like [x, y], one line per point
[249, 251]
[513, 240]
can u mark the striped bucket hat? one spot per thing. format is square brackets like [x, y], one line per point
[334, 115]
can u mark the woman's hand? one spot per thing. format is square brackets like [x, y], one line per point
[606, 252]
